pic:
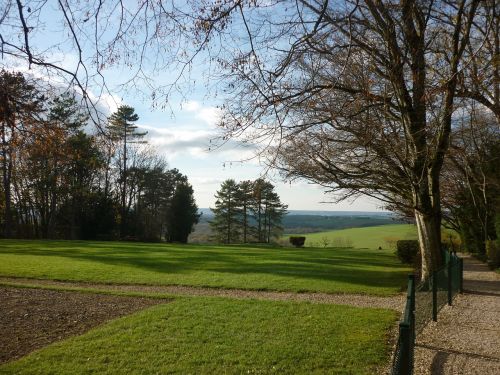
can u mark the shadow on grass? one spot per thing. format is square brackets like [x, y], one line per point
[352, 266]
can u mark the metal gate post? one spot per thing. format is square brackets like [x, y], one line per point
[434, 296]
[450, 292]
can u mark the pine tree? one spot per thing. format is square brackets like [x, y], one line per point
[121, 129]
[245, 199]
[260, 191]
[80, 159]
[227, 212]
[268, 210]
[274, 213]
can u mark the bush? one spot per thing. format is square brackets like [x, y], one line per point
[407, 251]
[493, 253]
[297, 241]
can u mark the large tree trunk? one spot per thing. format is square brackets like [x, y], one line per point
[429, 238]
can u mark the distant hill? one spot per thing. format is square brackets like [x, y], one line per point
[295, 223]
[301, 221]
[207, 212]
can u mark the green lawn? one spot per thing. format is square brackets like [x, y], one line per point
[285, 269]
[367, 237]
[220, 336]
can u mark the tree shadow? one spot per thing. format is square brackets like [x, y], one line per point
[359, 267]
[438, 363]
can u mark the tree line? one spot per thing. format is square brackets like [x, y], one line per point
[248, 211]
[59, 181]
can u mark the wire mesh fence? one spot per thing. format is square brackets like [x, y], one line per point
[423, 304]
[403, 355]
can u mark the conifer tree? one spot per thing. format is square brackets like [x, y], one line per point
[245, 199]
[121, 129]
[227, 212]
[183, 214]
[268, 210]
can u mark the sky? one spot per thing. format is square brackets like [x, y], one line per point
[182, 132]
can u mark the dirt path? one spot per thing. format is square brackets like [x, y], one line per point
[358, 300]
[466, 337]
[33, 318]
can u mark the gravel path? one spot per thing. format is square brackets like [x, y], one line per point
[466, 338]
[358, 300]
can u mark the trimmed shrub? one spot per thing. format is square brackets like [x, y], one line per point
[407, 251]
[297, 241]
[493, 253]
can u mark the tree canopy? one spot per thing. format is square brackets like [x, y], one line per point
[61, 181]
[249, 211]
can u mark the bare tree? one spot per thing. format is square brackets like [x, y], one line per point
[88, 40]
[471, 180]
[355, 96]
[480, 79]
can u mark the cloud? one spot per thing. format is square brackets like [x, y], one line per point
[206, 180]
[210, 115]
[174, 142]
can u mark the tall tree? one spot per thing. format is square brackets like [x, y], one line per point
[361, 99]
[479, 80]
[121, 129]
[81, 159]
[20, 105]
[245, 199]
[471, 180]
[227, 212]
[183, 213]
[275, 210]
[268, 210]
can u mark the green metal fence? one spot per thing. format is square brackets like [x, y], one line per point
[423, 303]
[405, 346]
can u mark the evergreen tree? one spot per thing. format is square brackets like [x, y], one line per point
[183, 214]
[268, 210]
[274, 213]
[80, 163]
[245, 198]
[121, 129]
[227, 212]
[261, 190]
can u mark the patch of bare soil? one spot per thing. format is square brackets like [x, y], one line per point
[33, 318]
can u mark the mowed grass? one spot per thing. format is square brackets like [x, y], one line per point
[367, 237]
[256, 268]
[220, 336]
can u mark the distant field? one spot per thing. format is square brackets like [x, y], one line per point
[247, 267]
[368, 237]
[305, 223]
[223, 336]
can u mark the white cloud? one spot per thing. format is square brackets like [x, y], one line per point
[210, 115]
[191, 106]
[197, 143]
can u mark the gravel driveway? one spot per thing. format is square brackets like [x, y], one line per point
[466, 338]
